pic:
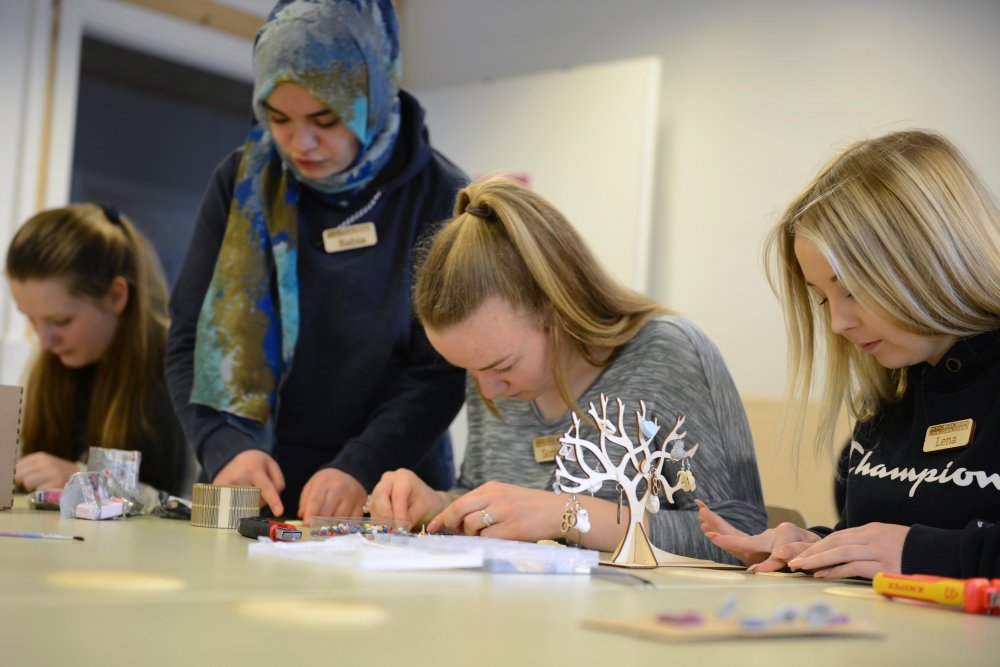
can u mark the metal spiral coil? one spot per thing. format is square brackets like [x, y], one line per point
[214, 506]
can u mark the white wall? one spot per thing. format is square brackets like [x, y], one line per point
[22, 76]
[532, 136]
[755, 97]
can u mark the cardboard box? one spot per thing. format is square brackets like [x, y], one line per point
[10, 440]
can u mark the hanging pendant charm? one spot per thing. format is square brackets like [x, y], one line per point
[582, 519]
[653, 494]
[568, 452]
[568, 519]
[655, 485]
[652, 503]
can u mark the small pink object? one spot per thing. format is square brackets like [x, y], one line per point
[96, 512]
[685, 618]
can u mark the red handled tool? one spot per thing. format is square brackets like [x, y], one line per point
[975, 596]
[258, 526]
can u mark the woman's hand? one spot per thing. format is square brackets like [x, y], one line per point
[402, 496]
[855, 552]
[767, 552]
[40, 470]
[511, 512]
[254, 467]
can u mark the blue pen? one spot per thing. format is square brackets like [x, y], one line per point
[40, 536]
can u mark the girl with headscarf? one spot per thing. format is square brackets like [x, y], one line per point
[294, 361]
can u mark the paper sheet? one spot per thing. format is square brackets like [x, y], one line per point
[359, 553]
[424, 552]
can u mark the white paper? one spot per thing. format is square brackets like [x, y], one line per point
[427, 552]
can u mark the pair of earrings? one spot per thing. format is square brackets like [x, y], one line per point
[575, 516]
[685, 478]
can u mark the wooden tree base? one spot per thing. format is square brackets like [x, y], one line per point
[634, 551]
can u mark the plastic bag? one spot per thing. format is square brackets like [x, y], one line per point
[89, 495]
[122, 465]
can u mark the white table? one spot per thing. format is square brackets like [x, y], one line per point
[429, 618]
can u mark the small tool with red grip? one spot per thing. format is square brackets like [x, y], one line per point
[975, 596]
[259, 526]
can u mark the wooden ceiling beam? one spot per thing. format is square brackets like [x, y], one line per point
[209, 14]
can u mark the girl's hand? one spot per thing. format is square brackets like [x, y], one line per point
[403, 496]
[40, 470]
[504, 511]
[767, 552]
[855, 552]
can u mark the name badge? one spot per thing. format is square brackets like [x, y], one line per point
[339, 239]
[949, 436]
[546, 447]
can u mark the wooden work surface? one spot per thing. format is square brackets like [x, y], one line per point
[192, 596]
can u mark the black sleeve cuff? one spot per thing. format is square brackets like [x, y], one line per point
[933, 551]
[221, 446]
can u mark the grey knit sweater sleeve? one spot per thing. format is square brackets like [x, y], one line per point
[675, 369]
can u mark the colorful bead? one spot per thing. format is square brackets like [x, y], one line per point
[352, 527]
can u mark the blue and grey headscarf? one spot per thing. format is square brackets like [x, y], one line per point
[344, 53]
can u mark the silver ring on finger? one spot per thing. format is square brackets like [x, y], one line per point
[487, 519]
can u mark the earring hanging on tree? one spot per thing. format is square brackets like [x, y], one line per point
[685, 478]
[653, 497]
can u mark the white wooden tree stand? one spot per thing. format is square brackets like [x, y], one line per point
[638, 467]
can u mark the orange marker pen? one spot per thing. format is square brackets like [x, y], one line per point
[977, 595]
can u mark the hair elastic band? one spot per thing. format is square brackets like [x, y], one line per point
[484, 212]
[112, 214]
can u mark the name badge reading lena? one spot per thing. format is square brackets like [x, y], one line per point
[546, 447]
[339, 239]
[949, 436]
